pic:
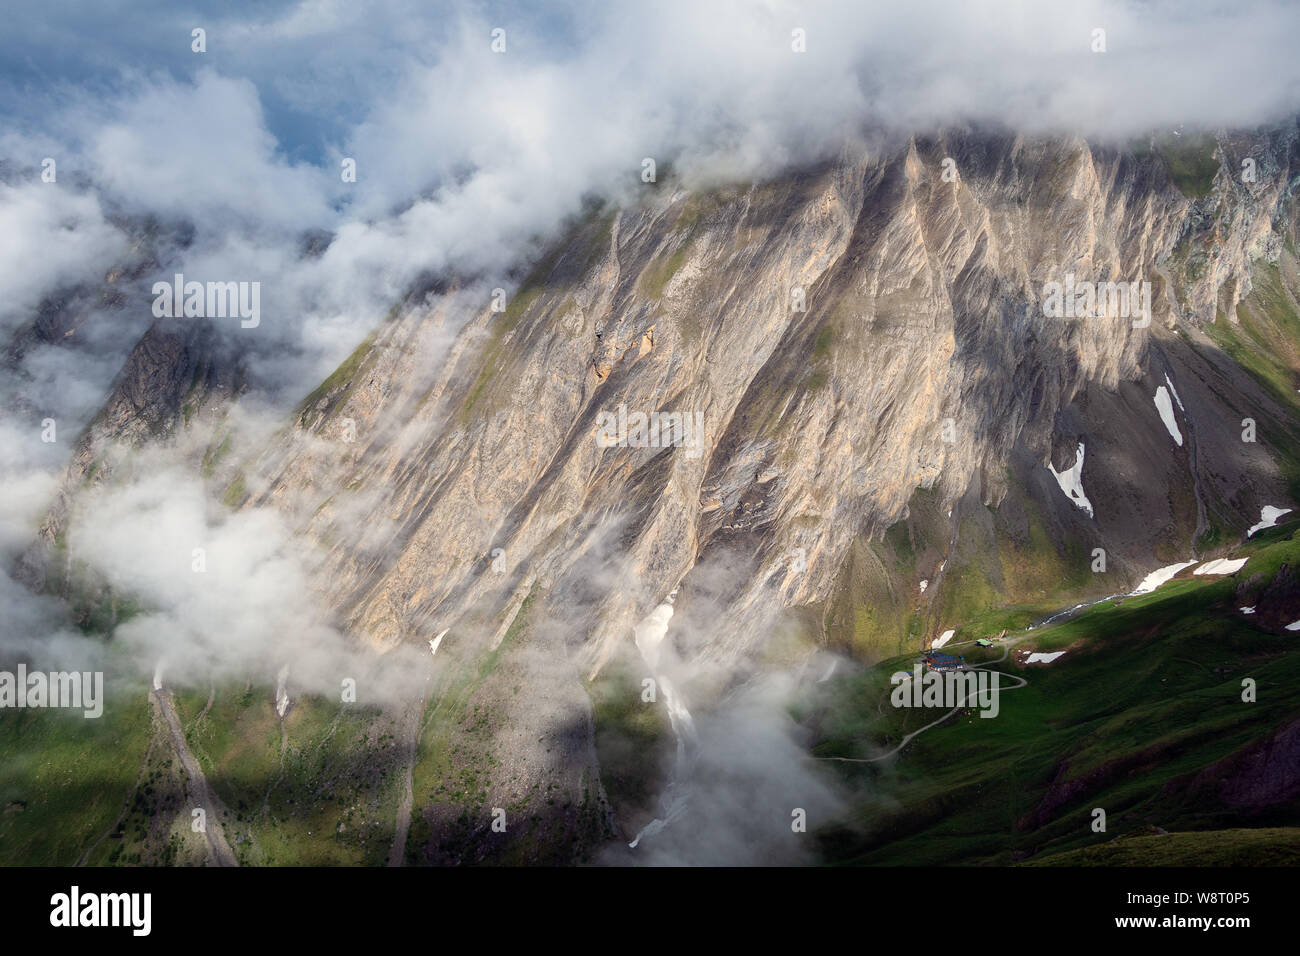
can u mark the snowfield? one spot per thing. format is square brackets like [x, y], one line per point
[1174, 391]
[943, 639]
[1071, 482]
[1040, 658]
[1221, 566]
[1166, 409]
[1159, 576]
[1268, 516]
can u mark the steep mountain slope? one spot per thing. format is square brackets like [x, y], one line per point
[880, 393]
[923, 305]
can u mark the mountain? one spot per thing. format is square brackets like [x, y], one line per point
[879, 428]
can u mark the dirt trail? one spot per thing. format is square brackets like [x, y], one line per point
[411, 742]
[219, 851]
[1006, 649]
[212, 696]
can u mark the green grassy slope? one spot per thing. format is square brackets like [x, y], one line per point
[1268, 846]
[113, 790]
[64, 778]
[1005, 571]
[1146, 698]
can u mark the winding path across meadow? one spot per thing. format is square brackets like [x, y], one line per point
[1006, 649]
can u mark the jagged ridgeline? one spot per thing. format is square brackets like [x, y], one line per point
[895, 441]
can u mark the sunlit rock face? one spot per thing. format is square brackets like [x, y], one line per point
[845, 335]
[736, 391]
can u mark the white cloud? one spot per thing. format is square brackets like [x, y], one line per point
[224, 595]
[203, 152]
[50, 235]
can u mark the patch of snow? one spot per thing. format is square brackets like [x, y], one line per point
[1166, 410]
[433, 644]
[1221, 566]
[282, 691]
[1268, 516]
[1175, 394]
[1293, 626]
[1159, 576]
[1041, 658]
[924, 585]
[1071, 482]
[1246, 610]
[943, 638]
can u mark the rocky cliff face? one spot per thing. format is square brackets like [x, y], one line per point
[879, 395]
[920, 359]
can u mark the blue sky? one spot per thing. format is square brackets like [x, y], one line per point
[317, 65]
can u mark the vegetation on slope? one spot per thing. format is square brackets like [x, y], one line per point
[1142, 717]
